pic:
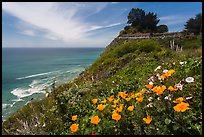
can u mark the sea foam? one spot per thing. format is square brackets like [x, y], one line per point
[36, 75]
[34, 82]
[5, 106]
[21, 93]
[17, 100]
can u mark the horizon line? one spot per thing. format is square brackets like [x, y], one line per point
[53, 47]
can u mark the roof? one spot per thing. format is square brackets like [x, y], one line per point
[148, 34]
[137, 34]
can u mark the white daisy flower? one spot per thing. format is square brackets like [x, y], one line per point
[179, 86]
[187, 98]
[165, 71]
[158, 75]
[159, 78]
[150, 98]
[151, 83]
[148, 91]
[168, 97]
[151, 79]
[181, 63]
[191, 96]
[150, 105]
[189, 79]
[159, 67]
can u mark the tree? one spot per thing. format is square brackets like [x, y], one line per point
[150, 22]
[194, 25]
[138, 19]
[127, 27]
[162, 28]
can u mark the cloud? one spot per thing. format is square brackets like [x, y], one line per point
[59, 21]
[114, 2]
[106, 26]
[28, 32]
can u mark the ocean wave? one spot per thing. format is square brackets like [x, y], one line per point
[17, 100]
[34, 82]
[21, 93]
[36, 75]
[5, 105]
[11, 105]
[77, 70]
[39, 85]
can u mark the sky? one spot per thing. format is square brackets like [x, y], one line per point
[82, 24]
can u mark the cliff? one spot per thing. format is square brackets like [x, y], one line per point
[123, 69]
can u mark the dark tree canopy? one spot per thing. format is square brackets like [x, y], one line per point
[136, 17]
[162, 28]
[140, 21]
[150, 22]
[194, 25]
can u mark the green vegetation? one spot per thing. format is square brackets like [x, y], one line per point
[124, 68]
[194, 25]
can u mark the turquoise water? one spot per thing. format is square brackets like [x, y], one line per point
[26, 72]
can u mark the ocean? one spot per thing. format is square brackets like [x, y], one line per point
[26, 72]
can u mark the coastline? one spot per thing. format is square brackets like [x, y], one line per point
[35, 95]
[32, 85]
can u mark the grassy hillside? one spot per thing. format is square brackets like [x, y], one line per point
[122, 73]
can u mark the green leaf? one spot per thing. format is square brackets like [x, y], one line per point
[167, 121]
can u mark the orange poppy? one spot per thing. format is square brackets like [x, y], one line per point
[120, 108]
[110, 99]
[181, 107]
[116, 116]
[159, 89]
[127, 99]
[130, 108]
[115, 101]
[95, 120]
[138, 94]
[74, 127]
[103, 102]
[149, 86]
[178, 100]
[143, 91]
[171, 71]
[74, 117]
[94, 101]
[101, 107]
[140, 99]
[147, 120]
[162, 77]
[172, 88]
[113, 105]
